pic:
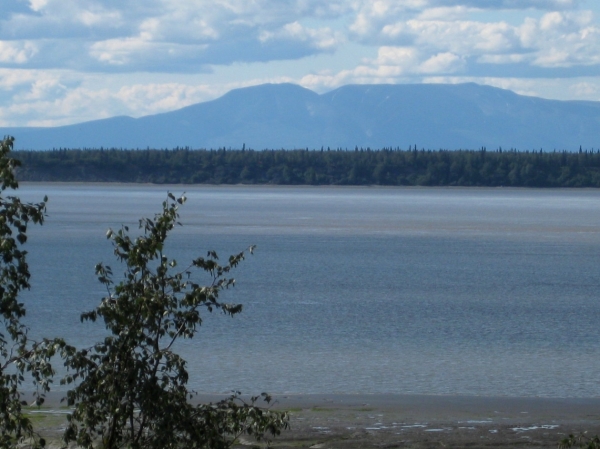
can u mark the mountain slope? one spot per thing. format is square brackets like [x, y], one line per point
[288, 116]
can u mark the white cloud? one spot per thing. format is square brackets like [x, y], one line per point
[392, 65]
[144, 99]
[510, 58]
[323, 38]
[94, 18]
[38, 5]
[585, 90]
[581, 88]
[372, 16]
[446, 13]
[193, 34]
[17, 52]
[118, 35]
[403, 61]
[442, 63]
[41, 89]
[118, 51]
[142, 52]
[511, 4]
[43, 106]
[43, 98]
[464, 37]
[557, 39]
[562, 39]
[399, 56]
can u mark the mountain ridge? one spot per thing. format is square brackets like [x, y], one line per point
[432, 116]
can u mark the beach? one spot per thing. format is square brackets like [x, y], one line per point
[411, 421]
[421, 421]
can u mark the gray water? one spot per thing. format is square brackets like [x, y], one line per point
[372, 290]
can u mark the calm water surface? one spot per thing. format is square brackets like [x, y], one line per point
[374, 290]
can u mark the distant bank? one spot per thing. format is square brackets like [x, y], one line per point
[361, 166]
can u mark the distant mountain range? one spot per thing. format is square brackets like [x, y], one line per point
[274, 116]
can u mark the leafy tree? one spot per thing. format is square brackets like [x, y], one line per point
[130, 390]
[18, 354]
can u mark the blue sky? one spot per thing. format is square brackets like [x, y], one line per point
[68, 61]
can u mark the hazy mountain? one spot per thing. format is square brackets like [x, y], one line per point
[288, 116]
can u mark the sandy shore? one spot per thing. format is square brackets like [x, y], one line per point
[417, 421]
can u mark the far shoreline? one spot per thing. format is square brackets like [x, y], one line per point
[302, 186]
[420, 404]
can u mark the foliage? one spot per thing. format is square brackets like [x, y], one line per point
[18, 354]
[580, 441]
[130, 389]
[387, 166]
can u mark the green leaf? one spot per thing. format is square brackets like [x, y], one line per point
[132, 372]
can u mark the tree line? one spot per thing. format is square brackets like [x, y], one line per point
[361, 166]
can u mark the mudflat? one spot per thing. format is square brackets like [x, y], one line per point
[412, 421]
[420, 421]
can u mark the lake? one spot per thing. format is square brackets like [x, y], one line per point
[373, 290]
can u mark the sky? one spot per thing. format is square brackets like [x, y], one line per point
[70, 61]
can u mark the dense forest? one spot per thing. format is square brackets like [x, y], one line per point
[413, 167]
